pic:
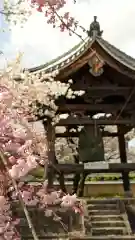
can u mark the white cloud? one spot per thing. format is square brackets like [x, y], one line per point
[40, 42]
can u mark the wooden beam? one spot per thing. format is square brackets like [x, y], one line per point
[79, 168]
[109, 90]
[105, 108]
[75, 134]
[71, 121]
[104, 133]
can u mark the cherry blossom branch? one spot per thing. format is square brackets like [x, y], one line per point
[22, 12]
[62, 224]
[8, 13]
[62, 21]
[31, 227]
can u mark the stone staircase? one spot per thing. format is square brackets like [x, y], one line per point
[107, 218]
[46, 227]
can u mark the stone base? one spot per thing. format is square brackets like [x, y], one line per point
[128, 194]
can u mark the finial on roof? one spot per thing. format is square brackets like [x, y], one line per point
[94, 30]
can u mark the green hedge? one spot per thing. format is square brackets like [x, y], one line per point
[38, 175]
[109, 177]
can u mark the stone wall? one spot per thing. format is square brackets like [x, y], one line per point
[108, 188]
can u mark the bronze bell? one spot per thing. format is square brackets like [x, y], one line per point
[91, 147]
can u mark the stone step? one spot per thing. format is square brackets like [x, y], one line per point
[120, 237]
[103, 212]
[25, 231]
[108, 231]
[107, 224]
[102, 206]
[85, 238]
[106, 218]
[102, 201]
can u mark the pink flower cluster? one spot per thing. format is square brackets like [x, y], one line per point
[40, 197]
[15, 141]
[7, 223]
[18, 149]
[51, 8]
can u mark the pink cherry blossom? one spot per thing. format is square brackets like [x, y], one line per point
[69, 200]
[18, 145]
[12, 160]
[2, 202]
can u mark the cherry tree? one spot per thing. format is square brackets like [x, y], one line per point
[20, 148]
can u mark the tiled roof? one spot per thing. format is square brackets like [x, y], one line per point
[67, 58]
[64, 59]
[117, 53]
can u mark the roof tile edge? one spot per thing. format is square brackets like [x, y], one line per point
[59, 59]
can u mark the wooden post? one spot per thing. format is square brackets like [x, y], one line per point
[50, 135]
[123, 157]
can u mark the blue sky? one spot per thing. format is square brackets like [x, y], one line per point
[40, 42]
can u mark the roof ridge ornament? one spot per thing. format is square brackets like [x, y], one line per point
[94, 30]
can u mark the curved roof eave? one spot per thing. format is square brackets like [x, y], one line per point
[62, 60]
[69, 57]
[117, 54]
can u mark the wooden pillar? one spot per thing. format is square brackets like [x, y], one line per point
[50, 135]
[123, 157]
